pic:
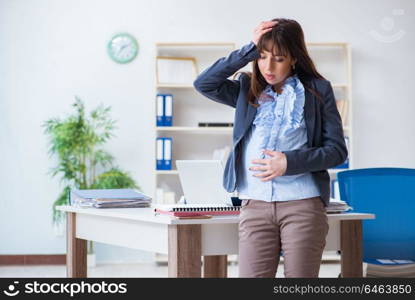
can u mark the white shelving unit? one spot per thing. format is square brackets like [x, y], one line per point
[189, 108]
[333, 61]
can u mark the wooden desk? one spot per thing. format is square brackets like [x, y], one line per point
[186, 241]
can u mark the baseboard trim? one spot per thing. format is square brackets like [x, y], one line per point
[33, 259]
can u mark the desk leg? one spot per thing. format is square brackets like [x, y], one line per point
[75, 250]
[185, 250]
[215, 266]
[351, 248]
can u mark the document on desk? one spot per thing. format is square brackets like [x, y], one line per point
[337, 206]
[109, 198]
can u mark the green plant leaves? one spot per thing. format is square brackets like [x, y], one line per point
[76, 141]
[114, 178]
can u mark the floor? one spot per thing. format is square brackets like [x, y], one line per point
[327, 269]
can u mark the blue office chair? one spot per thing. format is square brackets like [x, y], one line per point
[389, 193]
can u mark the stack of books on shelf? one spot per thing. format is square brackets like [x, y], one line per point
[196, 210]
[337, 206]
[215, 124]
[378, 268]
[109, 198]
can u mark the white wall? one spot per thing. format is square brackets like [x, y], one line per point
[53, 50]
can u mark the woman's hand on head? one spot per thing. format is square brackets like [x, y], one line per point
[262, 28]
[271, 168]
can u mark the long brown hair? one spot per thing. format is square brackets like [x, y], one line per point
[286, 37]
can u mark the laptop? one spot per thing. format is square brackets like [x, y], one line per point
[201, 182]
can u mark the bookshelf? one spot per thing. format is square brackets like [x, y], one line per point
[333, 60]
[189, 141]
[189, 108]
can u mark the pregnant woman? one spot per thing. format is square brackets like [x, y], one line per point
[287, 133]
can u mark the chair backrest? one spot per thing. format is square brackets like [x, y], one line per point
[389, 193]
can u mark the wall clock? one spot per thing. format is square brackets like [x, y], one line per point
[122, 48]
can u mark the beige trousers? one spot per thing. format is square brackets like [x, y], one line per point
[298, 228]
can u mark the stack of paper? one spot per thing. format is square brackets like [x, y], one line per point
[390, 268]
[337, 206]
[109, 198]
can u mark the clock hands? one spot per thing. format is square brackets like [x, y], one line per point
[122, 48]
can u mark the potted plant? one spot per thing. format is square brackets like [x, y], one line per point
[77, 142]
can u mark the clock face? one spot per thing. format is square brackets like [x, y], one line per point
[122, 48]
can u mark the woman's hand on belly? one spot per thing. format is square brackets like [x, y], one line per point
[271, 167]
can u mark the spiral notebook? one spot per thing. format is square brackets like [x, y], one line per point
[188, 210]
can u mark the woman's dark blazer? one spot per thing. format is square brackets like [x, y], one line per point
[326, 144]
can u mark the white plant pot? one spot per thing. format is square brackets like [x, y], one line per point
[90, 260]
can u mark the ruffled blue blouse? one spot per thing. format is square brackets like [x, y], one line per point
[278, 125]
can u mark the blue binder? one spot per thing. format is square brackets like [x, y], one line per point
[168, 110]
[163, 153]
[164, 110]
[160, 110]
[159, 154]
[167, 147]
